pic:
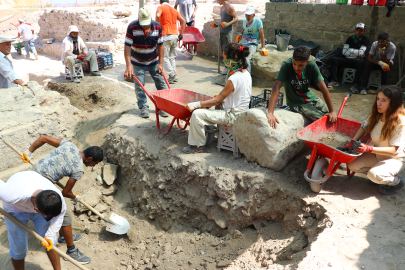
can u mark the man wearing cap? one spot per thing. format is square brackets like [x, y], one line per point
[29, 196]
[168, 17]
[75, 51]
[26, 31]
[252, 30]
[8, 78]
[352, 57]
[144, 52]
[228, 18]
[381, 57]
[188, 8]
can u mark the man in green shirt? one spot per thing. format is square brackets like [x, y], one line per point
[295, 75]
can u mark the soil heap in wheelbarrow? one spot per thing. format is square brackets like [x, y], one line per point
[336, 139]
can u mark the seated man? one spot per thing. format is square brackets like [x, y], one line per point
[353, 54]
[296, 74]
[381, 57]
[8, 78]
[252, 29]
[29, 196]
[75, 51]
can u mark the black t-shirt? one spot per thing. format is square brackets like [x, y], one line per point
[356, 45]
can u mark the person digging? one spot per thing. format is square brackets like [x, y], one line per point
[65, 160]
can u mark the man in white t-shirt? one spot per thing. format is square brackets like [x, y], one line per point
[29, 196]
[252, 31]
[188, 8]
[26, 31]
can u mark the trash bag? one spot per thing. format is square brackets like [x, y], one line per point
[390, 4]
[325, 74]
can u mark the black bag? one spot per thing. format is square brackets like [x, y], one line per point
[390, 4]
[325, 74]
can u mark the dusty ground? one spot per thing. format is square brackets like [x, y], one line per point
[367, 230]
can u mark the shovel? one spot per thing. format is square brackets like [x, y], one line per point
[40, 238]
[116, 223]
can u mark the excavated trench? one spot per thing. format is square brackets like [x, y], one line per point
[240, 211]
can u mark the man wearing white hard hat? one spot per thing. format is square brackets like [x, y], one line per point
[144, 52]
[353, 54]
[8, 78]
[27, 33]
[75, 51]
[252, 31]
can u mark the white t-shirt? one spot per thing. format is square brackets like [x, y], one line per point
[239, 99]
[26, 31]
[17, 192]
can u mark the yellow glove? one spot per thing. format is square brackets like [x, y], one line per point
[48, 244]
[224, 24]
[213, 25]
[238, 38]
[25, 158]
[384, 66]
[264, 52]
[77, 198]
[216, 95]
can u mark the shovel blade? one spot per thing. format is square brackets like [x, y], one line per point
[122, 227]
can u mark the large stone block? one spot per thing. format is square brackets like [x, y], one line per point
[349, 9]
[332, 36]
[319, 8]
[332, 9]
[303, 7]
[300, 17]
[287, 7]
[399, 13]
[316, 34]
[285, 17]
[277, 146]
[271, 15]
[270, 6]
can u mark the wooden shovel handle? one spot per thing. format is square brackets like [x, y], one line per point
[15, 149]
[40, 238]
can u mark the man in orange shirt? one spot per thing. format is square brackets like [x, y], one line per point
[168, 17]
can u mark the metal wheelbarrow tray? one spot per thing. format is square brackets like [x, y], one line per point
[191, 37]
[311, 135]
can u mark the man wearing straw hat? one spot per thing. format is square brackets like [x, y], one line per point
[8, 78]
[29, 196]
[75, 51]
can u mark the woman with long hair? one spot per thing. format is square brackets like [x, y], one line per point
[386, 125]
[236, 96]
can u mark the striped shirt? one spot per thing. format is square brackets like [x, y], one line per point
[144, 50]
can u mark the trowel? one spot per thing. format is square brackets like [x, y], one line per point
[116, 223]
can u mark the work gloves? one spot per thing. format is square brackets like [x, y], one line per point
[347, 147]
[77, 198]
[26, 156]
[238, 38]
[193, 105]
[384, 66]
[362, 147]
[48, 244]
[180, 37]
[264, 52]
[81, 57]
[224, 24]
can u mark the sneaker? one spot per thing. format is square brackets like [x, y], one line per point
[390, 190]
[163, 114]
[27, 56]
[363, 92]
[145, 112]
[173, 79]
[76, 80]
[76, 238]
[36, 57]
[78, 256]
[225, 71]
[95, 73]
[191, 149]
[332, 84]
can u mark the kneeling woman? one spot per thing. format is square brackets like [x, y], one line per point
[236, 96]
[386, 125]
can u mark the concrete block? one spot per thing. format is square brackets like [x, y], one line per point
[399, 13]
[270, 6]
[387, 23]
[331, 8]
[349, 9]
[319, 8]
[332, 36]
[110, 173]
[303, 7]
[288, 7]
[271, 15]
[299, 18]
[285, 17]
[277, 146]
[316, 34]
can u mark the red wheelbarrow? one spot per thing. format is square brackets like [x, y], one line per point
[173, 101]
[191, 37]
[312, 133]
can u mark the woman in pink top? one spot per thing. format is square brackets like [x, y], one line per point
[386, 125]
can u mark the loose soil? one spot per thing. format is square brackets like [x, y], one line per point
[334, 139]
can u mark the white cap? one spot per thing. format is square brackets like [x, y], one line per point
[250, 11]
[360, 25]
[73, 28]
[21, 20]
[6, 39]
[144, 16]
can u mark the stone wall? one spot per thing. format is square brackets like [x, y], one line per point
[329, 25]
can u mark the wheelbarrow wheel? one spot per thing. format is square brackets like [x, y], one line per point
[317, 174]
[192, 53]
[209, 134]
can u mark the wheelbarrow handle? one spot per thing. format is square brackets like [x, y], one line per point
[167, 82]
[343, 104]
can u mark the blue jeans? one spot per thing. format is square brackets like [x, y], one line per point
[31, 44]
[18, 238]
[139, 72]
[252, 50]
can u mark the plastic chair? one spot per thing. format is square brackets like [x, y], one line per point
[227, 140]
[348, 75]
[78, 70]
[375, 79]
